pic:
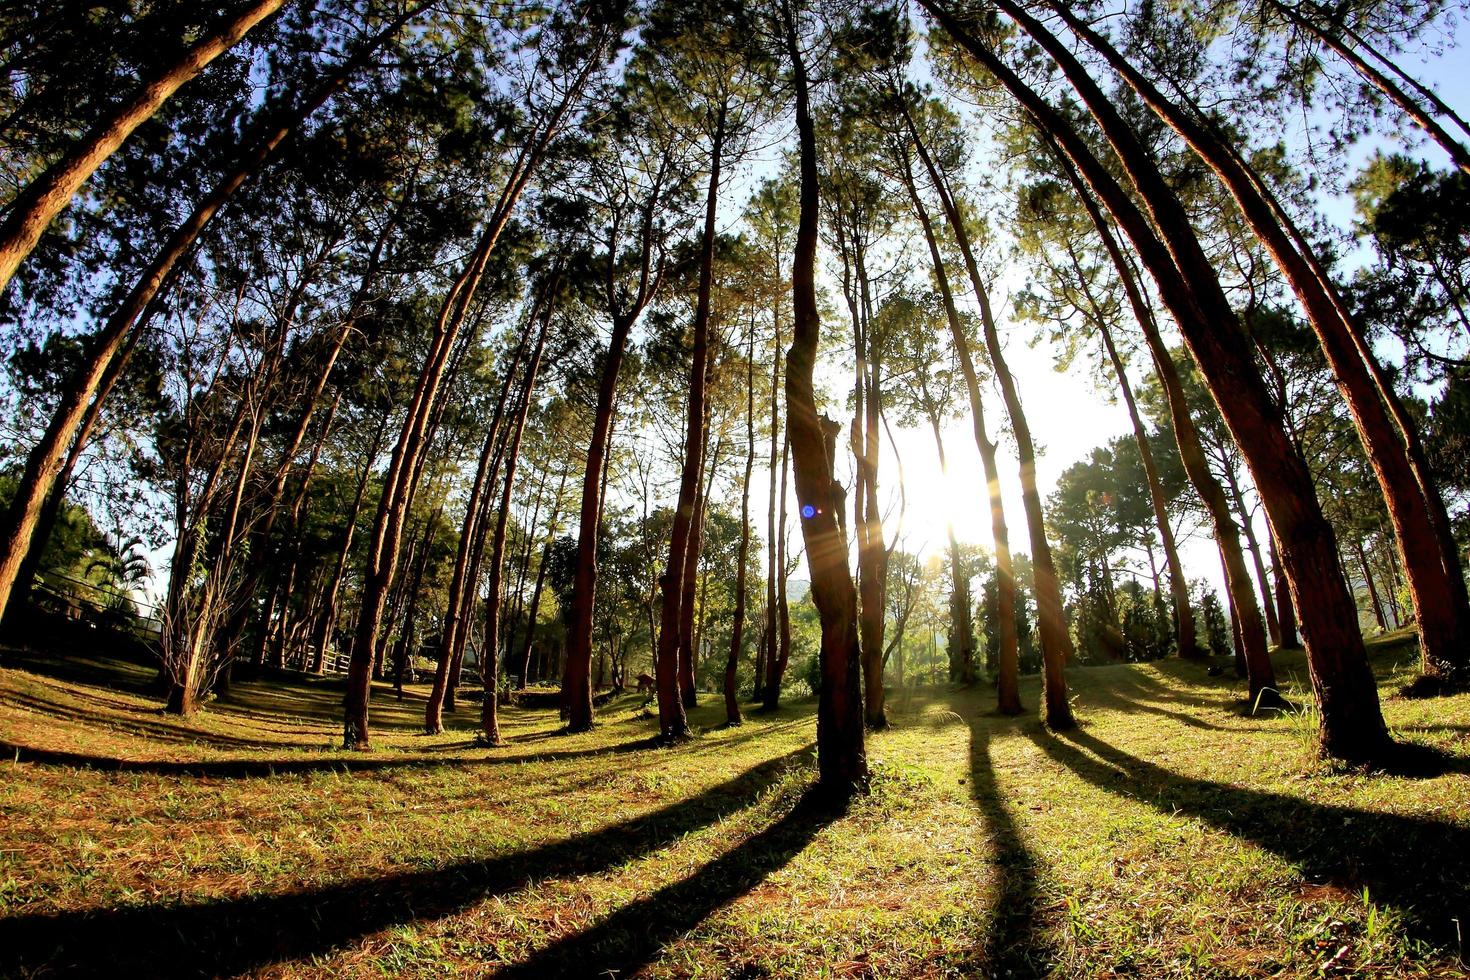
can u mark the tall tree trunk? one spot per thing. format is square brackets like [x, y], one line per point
[410, 451]
[1237, 629]
[780, 647]
[768, 682]
[402, 468]
[688, 641]
[523, 569]
[535, 606]
[1372, 586]
[1247, 528]
[1351, 723]
[872, 554]
[1387, 563]
[1246, 616]
[577, 683]
[107, 351]
[460, 600]
[1431, 565]
[1285, 611]
[1008, 657]
[783, 604]
[672, 700]
[406, 639]
[742, 553]
[490, 660]
[1056, 643]
[295, 535]
[841, 759]
[329, 607]
[1184, 629]
[36, 206]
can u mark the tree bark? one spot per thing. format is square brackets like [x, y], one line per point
[1247, 626]
[108, 350]
[35, 207]
[409, 453]
[1247, 528]
[329, 607]
[577, 676]
[490, 659]
[1433, 571]
[460, 600]
[841, 759]
[684, 538]
[1285, 610]
[742, 553]
[688, 640]
[1008, 658]
[1377, 606]
[768, 682]
[1056, 643]
[1185, 636]
[535, 606]
[1351, 723]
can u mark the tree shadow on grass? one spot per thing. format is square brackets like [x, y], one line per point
[266, 768]
[1011, 946]
[1416, 865]
[632, 937]
[132, 720]
[235, 935]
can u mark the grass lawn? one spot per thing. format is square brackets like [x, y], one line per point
[1169, 836]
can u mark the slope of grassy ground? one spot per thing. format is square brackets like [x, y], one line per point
[1170, 836]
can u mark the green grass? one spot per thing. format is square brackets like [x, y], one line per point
[1170, 836]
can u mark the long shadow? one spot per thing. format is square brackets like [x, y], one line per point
[1420, 867]
[1135, 689]
[1122, 702]
[230, 936]
[1011, 947]
[132, 725]
[633, 936]
[265, 768]
[115, 673]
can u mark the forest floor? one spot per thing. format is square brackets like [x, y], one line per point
[1168, 836]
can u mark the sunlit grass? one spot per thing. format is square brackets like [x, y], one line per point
[1171, 836]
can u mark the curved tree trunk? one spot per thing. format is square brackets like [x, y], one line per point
[490, 658]
[1435, 578]
[409, 453]
[1351, 723]
[842, 761]
[1008, 658]
[329, 607]
[460, 600]
[1056, 643]
[1185, 636]
[1247, 626]
[35, 207]
[107, 351]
